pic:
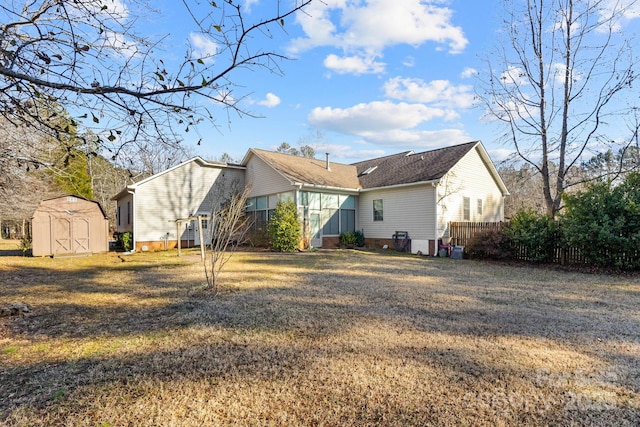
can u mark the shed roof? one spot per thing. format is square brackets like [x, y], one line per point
[54, 200]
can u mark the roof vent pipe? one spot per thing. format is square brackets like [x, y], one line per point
[328, 164]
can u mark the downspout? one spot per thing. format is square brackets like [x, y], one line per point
[133, 216]
[435, 216]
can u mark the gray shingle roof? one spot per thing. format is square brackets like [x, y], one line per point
[409, 167]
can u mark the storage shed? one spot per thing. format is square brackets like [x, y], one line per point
[69, 225]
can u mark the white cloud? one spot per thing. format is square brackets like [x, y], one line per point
[500, 154]
[409, 61]
[248, 4]
[270, 101]
[115, 9]
[388, 123]
[559, 71]
[514, 76]
[364, 119]
[353, 65]
[339, 152]
[203, 47]
[376, 24]
[437, 92]
[419, 139]
[468, 73]
[627, 10]
[118, 43]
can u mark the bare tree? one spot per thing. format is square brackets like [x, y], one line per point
[228, 229]
[557, 82]
[525, 189]
[227, 158]
[86, 56]
[304, 151]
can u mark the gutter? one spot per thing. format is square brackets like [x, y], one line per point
[433, 182]
[301, 185]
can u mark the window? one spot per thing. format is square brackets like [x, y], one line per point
[261, 203]
[347, 202]
[332, 222]
[347, 220]
[205, 223]
[479, 208]
[378, 210]
[330, 201]
[118, 214]
[466, 209]
[304, 198]
[128, 212]
[314, 201]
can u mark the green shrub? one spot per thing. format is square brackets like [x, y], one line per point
[359, 238]
[603, 222]
[348, 239]
[533, 237]
[284, 227]
[25, 244]
[127, 240]
[352, 239]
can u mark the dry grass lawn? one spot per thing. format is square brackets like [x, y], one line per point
[316, 339]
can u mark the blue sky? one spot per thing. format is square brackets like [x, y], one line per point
[367, 78]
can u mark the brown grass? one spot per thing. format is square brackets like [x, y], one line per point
[326, 338]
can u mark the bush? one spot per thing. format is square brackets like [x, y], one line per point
[258, 236]
[348, 239]
[532, 236]
[284, 227]
[352, 239]
[489, 244]
[359, 238]
[126, 240]
[25, 244]
[603, 222]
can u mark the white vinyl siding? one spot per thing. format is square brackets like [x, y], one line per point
[408, 209]
[122, 204]
[469, 178]
[263, 179]
[179, 193]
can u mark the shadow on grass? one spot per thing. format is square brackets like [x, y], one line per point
[327, 295]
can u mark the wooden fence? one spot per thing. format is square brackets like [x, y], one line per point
[462, 232]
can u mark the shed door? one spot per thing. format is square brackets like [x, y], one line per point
[70, 236]
[61, 236]
[80, 234]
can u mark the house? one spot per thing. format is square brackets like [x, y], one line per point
[150, 209]
[69, 225]
[326, 194]
[421, 193]
[407, 194]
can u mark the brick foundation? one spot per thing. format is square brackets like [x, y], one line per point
[330, 242]
[160, 246]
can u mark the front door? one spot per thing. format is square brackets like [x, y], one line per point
[315, 230]
[196, 230]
